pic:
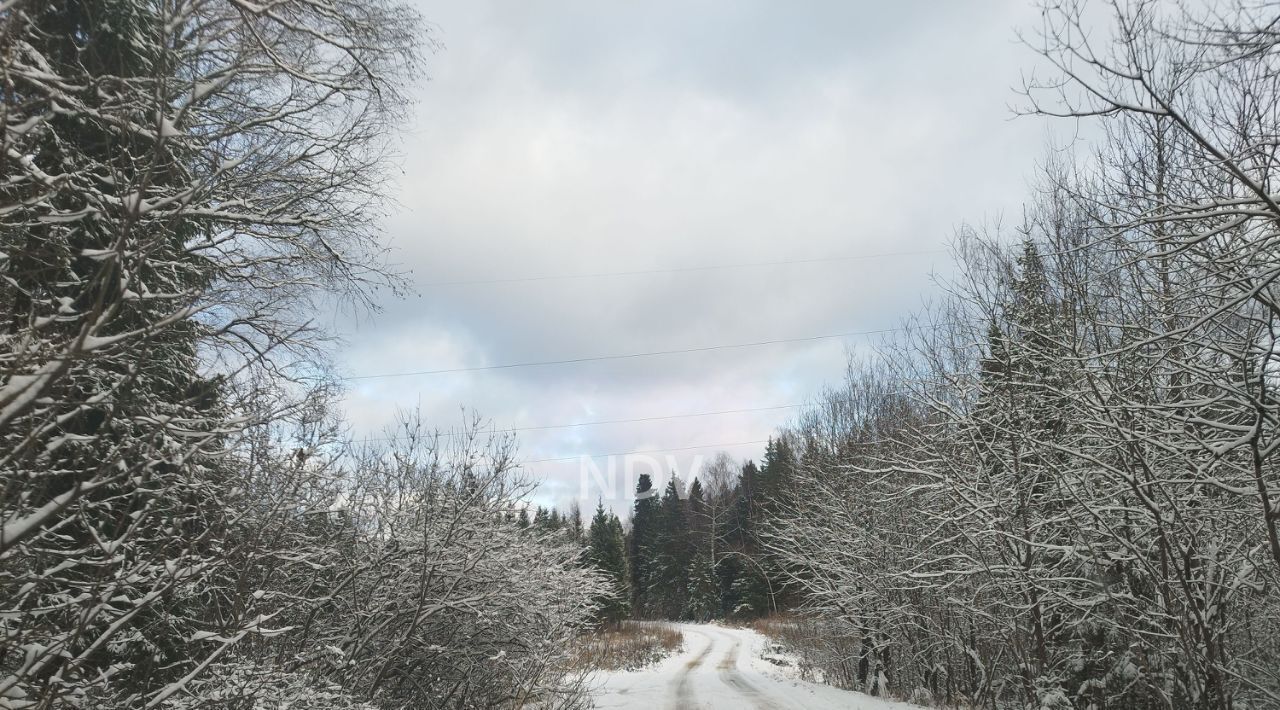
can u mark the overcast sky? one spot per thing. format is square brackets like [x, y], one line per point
[562, 138]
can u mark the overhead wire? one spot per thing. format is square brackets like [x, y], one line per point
[663, 417]
[653, 353]
[640, 419]
[637, 419]
[678, 269]
[625, 356]
[646, 451]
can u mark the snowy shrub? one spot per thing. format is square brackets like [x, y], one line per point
[430, 595]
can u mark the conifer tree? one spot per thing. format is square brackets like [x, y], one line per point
[574, 521]
[703, 595]
[670, 582]
[747, 589]
[642, 545]
[776, 471]
[606, 549]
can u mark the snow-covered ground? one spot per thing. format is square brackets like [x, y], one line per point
[721, 667]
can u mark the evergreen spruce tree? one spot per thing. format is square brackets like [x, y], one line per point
[574, 521]
[703, 595]
[670, 584]
[747, 590]
[109, 415]
[742, 517]
[606, 549]
[776, 471]
[641, 549]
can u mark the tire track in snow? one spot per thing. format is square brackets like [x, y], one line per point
[683, 699]
[717, 669]
[730, 676]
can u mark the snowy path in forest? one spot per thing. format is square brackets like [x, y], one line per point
[721, 667]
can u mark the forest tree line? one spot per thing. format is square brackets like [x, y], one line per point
[692, 551]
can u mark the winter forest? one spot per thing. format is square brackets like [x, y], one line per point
[1054, 487]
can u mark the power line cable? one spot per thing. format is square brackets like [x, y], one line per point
[873, 442]
[653, 418]
[625, 356]
[647, 451]
[820, 403]
[679, 269]
[663, 417]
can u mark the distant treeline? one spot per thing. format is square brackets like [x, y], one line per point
[691, 550]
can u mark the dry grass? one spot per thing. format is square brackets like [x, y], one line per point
[629, 645]
[795, 633]
[821, 655]
[786, 629]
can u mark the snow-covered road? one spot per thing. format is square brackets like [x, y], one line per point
[721, 667]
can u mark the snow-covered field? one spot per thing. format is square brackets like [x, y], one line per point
[721, 667]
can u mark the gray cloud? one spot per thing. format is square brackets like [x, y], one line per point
[585, 137]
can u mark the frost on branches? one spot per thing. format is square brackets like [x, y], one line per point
[182, 183]
[1060, 490]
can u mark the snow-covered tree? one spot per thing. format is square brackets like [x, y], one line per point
[183, 181]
